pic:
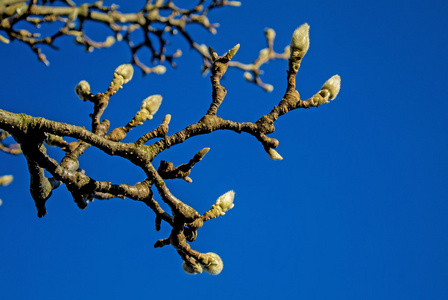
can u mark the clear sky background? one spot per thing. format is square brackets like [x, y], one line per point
[357, 209]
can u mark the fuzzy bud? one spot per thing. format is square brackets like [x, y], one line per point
[269, 33]
[148, 108]
[231, 53]
[109, 41]
[264, 54]
[300, 41]
[82, 89]
[125, 72]
[160, 69]
[203, 49]
[167, 119]
[333, 85]
[233, 3]
[191, 271]
[248, 76]
[274, 154]
[268, 87]
[151, 104]
[215, 266]
[225, 202]
[6, 179]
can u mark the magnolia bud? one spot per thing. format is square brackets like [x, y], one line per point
[231, 53]
[160, 69]
[215, 266]
[225, 202]
[274, 154]
[82, 89]
[6, 179]
[125, 71]
[269, 33]
[333, 85]
[203, 49]
[151, 104]
[191, 271]
[264, 53]
[300, 40]
[248, 76]
[109, 41]
[233, 3]
[268, 88]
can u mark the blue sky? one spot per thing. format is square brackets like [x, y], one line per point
[357, 209]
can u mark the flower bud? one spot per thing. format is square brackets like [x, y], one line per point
[160, 69]
[274, 154]
[82, 89]
[203, 49]
[233, 3]
[151, 104]
[268, 87]
[300, 41]
[215, 266]
[248, 76]
[125, 71]
[269, 33]
[264, 54]
[225, 202]
[333, 85]
[191, 271]
[231, 53]
[6, 179]
[109, 41]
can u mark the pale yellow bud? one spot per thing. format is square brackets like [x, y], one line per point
[269, 33]
[203, 49]
[248, 76]
[109, 41]
[189, 270]
[231, 53]
[167, 119]
[1, 202]
[225, 202]
[178, 53]
[333, 85]
[274, 154]
[300, 40]
[215, 266]
[82, 89]
[264, 53]
[6, 179]
[268, 88]
[151, 104]
[233, 3]
[125, 71]
[160, 69]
